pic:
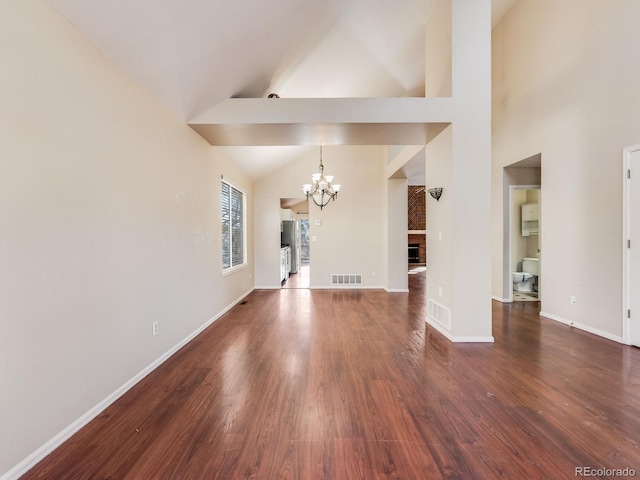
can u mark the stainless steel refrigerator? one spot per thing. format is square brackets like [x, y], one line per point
[290, 236]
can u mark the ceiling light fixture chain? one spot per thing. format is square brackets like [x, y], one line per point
[322, 191]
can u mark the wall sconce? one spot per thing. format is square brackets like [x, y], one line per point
[435, 193]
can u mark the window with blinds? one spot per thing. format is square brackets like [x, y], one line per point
[233, 227]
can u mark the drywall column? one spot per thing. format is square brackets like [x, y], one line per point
[440, 232]
[471, 170]
[397, 279]
[437, 75]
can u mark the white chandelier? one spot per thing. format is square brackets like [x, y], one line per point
[323, 190]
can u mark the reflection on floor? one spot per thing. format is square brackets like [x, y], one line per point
[525, 297]
[413, 270]
[298, 280]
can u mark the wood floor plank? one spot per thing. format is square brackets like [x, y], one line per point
[353, 384]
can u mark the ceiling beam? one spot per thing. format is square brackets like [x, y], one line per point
[324, 121]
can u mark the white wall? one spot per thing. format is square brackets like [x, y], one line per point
[440, 220]
[396, 236]
[565, 83]
[109, 209]
[438, 50]
[350, 238]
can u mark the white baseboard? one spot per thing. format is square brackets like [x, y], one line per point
[586, 328]
[28, 463]
[397, 290]
[334, 287]
[501, 300]
[439, 328]
[346, 287]
[488, 339]
[455, 339]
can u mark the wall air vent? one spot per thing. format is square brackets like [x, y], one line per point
[439, 314]
[345, 279]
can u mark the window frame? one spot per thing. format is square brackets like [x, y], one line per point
[233, 268]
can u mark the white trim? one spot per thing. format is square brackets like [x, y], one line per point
[397, 290]
[234, 269]
[455, 339]
[346, 287]
[29, 462]
[580, 326]
[335, 287]
[626, 232]
[501, 300]
[439, 328]
[474, 339]
[245, 251]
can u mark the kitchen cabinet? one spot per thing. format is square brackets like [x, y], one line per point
[530, 212]
[530, 219]
[285, 263]
[287, 214]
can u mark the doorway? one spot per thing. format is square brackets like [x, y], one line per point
[631, 234]
[301, 279]
[525, 175]
[524, 244]
[294, 243]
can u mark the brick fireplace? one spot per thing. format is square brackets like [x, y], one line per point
[420, 241]
[417, 220]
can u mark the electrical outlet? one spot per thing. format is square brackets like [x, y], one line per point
[572, 299]
[440, 292]
[155, 328]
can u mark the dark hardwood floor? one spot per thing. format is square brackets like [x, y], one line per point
[300, 384]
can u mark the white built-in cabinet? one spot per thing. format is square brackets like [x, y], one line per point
[530, 219]
[285, 263]
[287, 214]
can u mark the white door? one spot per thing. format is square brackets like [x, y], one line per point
[634, 251]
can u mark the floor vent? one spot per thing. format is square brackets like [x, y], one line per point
[439, 314]
[346, 279]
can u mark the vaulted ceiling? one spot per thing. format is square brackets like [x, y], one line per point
[193, 54]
